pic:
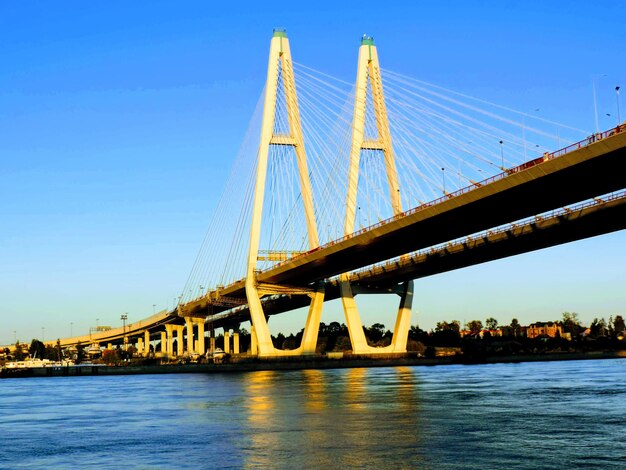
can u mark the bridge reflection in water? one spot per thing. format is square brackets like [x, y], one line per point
[332, 418]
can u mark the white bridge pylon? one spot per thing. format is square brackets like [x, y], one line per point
[280, 59]
[368, 72]
[280, 62]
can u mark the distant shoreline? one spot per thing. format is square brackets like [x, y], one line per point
[290, 363]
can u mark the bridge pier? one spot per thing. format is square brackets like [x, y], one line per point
[139, 345]
[163, 343]
[169, 349]
[189, 324]
[355, 326]
[226, 341]
[235, 343]
[200, 346]
[179, 340]
[146, 342]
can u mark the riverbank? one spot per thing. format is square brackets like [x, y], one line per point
[248, 364]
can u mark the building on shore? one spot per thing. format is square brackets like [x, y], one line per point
[545, 329]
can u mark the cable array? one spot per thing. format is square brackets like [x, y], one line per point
[442, 141]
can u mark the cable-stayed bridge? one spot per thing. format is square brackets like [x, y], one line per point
[345, 189]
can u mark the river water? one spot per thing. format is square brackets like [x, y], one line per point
[569, 414]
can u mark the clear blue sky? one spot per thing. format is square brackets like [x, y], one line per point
[119, 122]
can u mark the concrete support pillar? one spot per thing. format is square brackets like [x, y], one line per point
[189, 325]
[403, 320]
[212, 344]
[200, 347]
[163, 342]
[109, 346]
[353, 320]
[235, 343]
[169, 350]
[312, 326]
[179, 339]
[146, 341]
[140, 346]
[226, 341]
[254, 349]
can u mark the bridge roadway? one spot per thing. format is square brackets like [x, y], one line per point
[590, 168]
[116, 335]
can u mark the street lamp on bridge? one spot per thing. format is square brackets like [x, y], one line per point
[619, 118]
[124, 317]
[443, 180]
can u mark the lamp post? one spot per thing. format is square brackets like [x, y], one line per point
[619, 118]
[43, 335]
[443, 179]
[71, 329]
[153, 309]
[502, 154]
[124, 317]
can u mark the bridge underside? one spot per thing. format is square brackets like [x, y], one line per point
[598, 218]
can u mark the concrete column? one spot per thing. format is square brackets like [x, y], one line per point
[226, 341]
[403, 320]
[254, 349]
[312, 326]
[169, 350]
[146, 341]
[140, 346]
[163, 342]
[235, 343]
[212, 344]
[109, 346]
[200, 348]
[179, 340]
[189, 325]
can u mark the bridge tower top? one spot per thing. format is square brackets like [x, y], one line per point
[279, 33]
[367, 40]
[368, 78]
